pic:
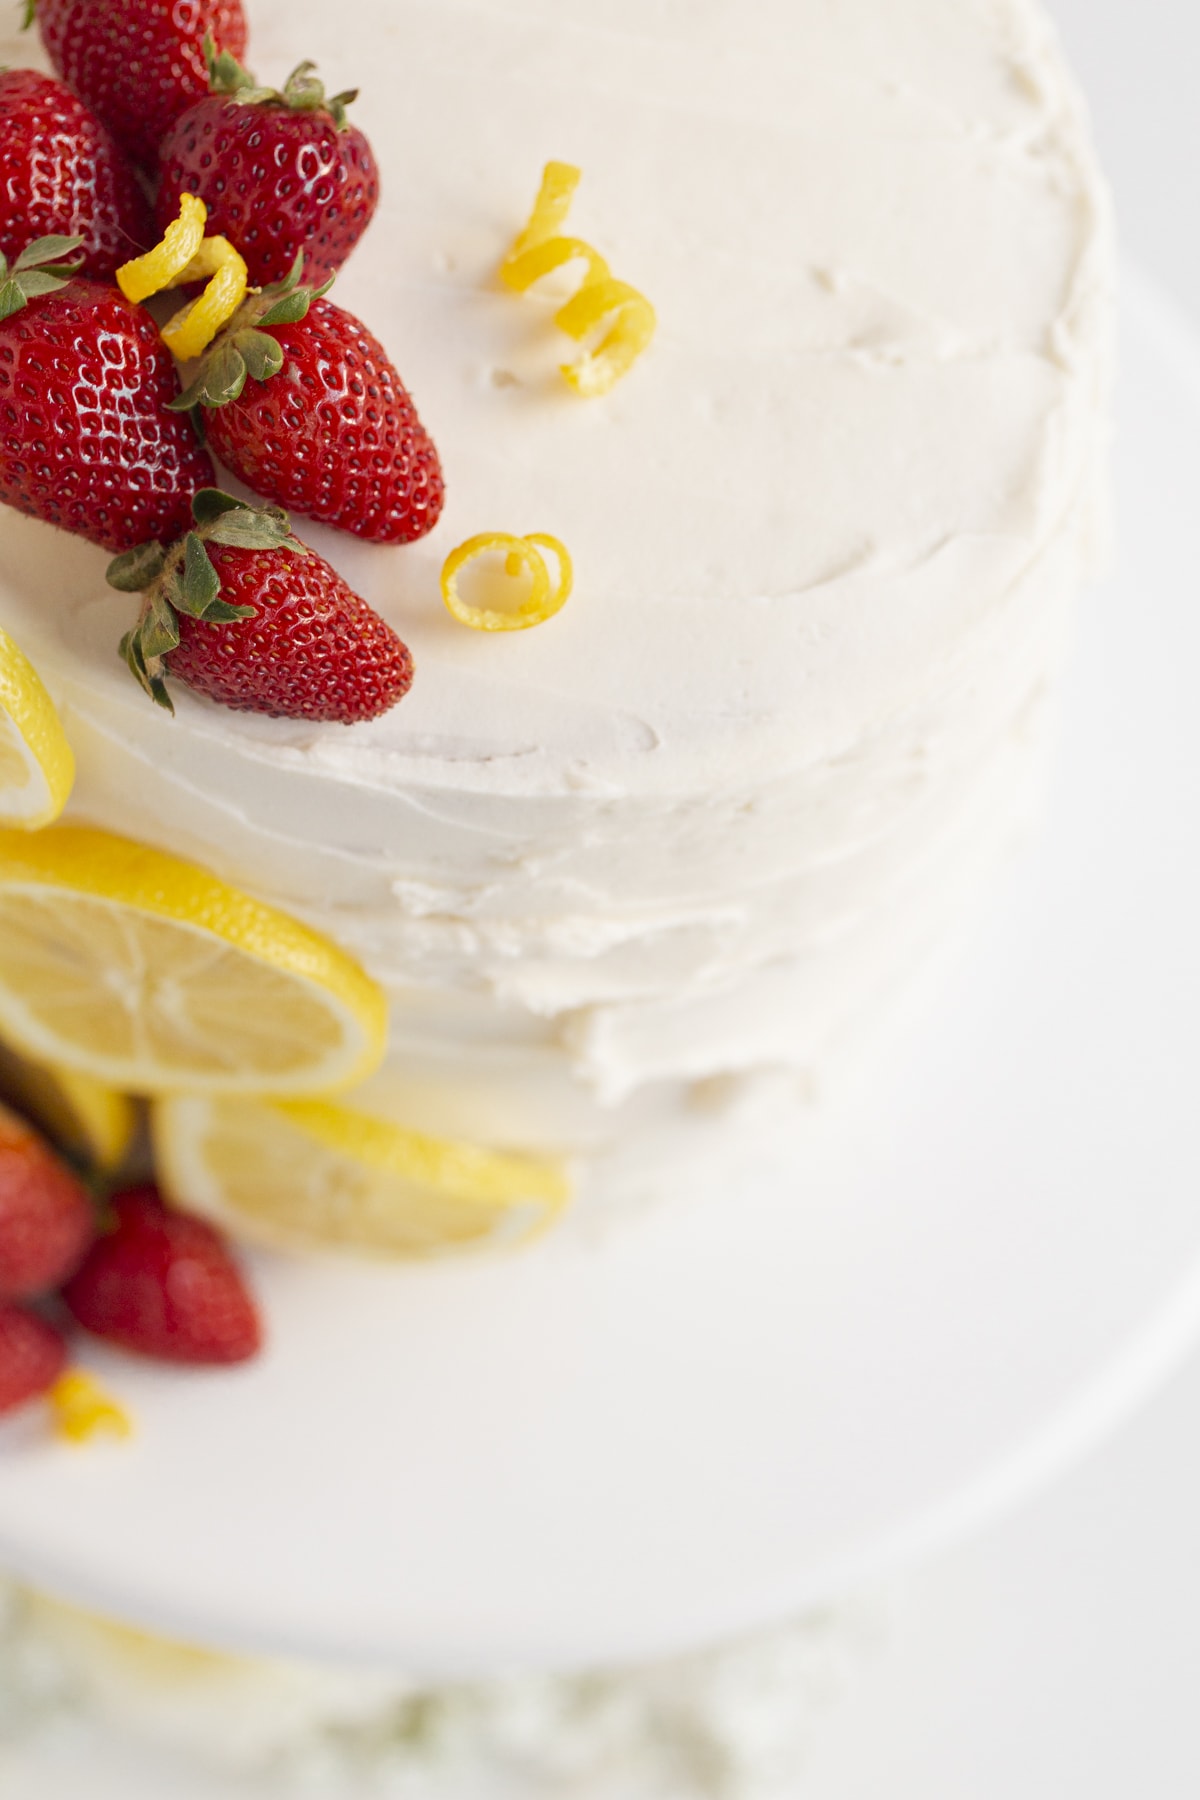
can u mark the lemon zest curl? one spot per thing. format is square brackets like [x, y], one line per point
[541, 248]
[186, 255]
[82, 1409]
[158, 268]
[544, 598]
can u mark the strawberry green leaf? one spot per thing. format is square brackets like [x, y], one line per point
[200, 583]
[209, 503]
[288, 309]
[159, 630]
[153, 683]
[262, 354]
[135, 569]
[219, 612]
[251, 530]
[28, 14]
[11, 298]
[33, 282]
[221, 379]
[46, 249]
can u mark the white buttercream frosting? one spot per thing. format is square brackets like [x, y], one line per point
[826, 536]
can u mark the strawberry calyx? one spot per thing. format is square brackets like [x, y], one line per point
[184, 579]
[244, 348]
[33, 272]
[301, 92]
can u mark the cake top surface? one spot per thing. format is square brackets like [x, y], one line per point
[869, 233]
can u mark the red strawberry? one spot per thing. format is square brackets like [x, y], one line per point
[46, 1218]
[165, 1285]
[86, 438]
[61, 173]
[323, 425]
[244, 613]
[137, 63]
[279, 172]
[32, 1356]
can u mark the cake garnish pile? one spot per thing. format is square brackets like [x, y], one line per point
[125, 971]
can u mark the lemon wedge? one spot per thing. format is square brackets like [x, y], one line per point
[312, 1175]
[147, 973]
[89, 1122]
[37, 768]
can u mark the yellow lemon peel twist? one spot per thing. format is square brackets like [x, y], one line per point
[545, 597]
[157, 269]
[82, 1409]
[541, 248]
[186, 255]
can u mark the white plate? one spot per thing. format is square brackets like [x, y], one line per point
[728, 1412]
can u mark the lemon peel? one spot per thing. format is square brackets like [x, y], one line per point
[83, 1410]
[159, 267]
[186, 255]
[544, 598]
[37, 767]
[319, 1175]
[192, 329]
[542, 248]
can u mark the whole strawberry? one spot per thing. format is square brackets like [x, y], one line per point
[61, 173]
[46, 1218]
[137, 63]
[32, 1356]
[87, 437]
[306, 407]
[164, 1285]
[245, 613]
[279, 171]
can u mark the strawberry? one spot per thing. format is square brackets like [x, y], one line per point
[61, 173]
[244, 612]
[165, 1285]
[86, 438]
[137, 63]
[46, 1217]
[279, 172]
[305, 406]
[32, 1356]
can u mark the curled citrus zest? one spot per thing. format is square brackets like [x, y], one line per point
[550, 209]
[541, 248]
[159, 267]
[632, 329]
[521, 554]
[82, 1409]
[214, 253]
[192, 329]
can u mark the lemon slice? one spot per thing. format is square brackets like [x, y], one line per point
[36, 764]
[311, 1175]
[147, 973]
[88, 1122]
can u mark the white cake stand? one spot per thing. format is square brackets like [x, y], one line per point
[725, 1412]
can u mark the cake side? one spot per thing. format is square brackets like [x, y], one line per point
[827, 537]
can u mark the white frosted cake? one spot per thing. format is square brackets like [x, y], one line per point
[826, 536]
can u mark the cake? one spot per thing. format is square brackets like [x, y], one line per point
[638, 882]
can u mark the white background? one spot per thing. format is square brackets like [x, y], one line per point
[1058, 1658]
